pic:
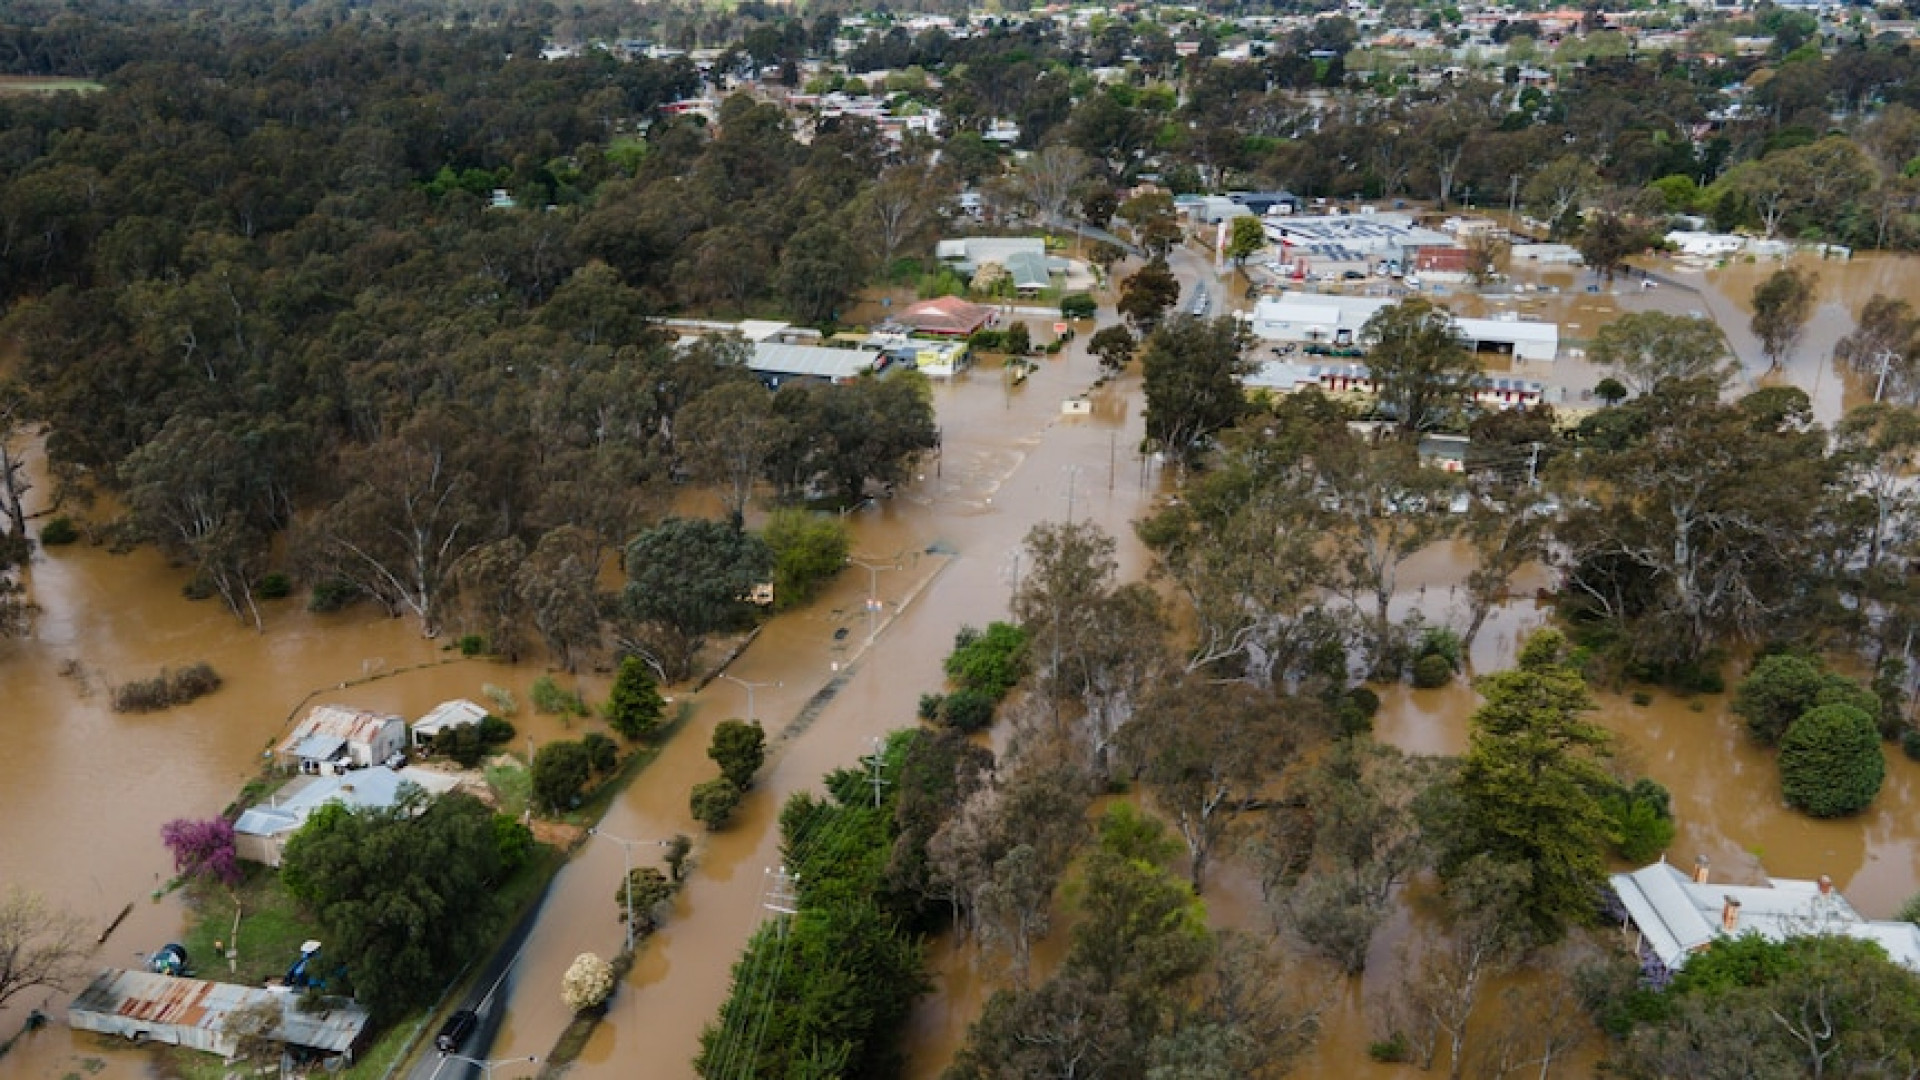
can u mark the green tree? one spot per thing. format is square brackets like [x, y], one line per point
[739, 748]
[1783, 687]
[713, 802]
[1818, 1005]
[1830, 761]
[645, 893]
[991, 661]
[688, 577]
[1528, 787]
[1191, 370]
[1248, 236]
[403, 894]
[808, 550]
[1146, 294]
[634, 706]
[1645, 348]
[725, 435]
[560, 774]
[1156, 227]
[819, 270]
[1114, 346]
[1781, 306]
[1421, 371]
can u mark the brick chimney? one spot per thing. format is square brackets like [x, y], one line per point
[1826, 885]
[1699, 869]
[1730, 915]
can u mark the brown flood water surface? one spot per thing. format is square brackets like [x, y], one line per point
[85, 789]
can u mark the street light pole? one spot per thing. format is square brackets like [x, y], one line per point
[626, 850]
[750, 687]
[486, 1067]
[873, 592]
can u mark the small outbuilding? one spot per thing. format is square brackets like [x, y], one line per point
[210, 1016]
[448, 714]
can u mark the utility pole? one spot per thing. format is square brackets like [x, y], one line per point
[1533, 464]
[782, 896]
[750, 688]
[626, 849]
[873, 592]
[1073, 475]
[874, 779]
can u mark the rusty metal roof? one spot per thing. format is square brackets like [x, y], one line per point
[193, 1012]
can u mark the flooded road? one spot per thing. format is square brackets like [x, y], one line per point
[82, 779]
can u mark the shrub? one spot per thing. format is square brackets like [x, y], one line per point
[602, 754]
[166, 689]
[808, 549]
[1910, 743]
[1782, 687]
[58, 532]
[645, 892]
[1077, 306]
[513, 840]
[991, 662]
[494, 731]
[967, 710]
[1432, 670]
[274, 586]
[679, 846]
[1444, 643]
[1830, 762]
[550, 699]
[460, 744]
[1019, 339]
[331, 595]
[472, 644]
[197, 587]
[1642, 819]
[929, 709]
[634, 705]
[1392, 1049]
[714, 802]
[560, 773]
[987, 341]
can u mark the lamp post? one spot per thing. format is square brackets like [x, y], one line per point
[626, 849]
[873, 592]
[486, 1067]
[750, 687]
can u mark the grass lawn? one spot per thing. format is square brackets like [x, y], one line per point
[272, 928]
[45, 84]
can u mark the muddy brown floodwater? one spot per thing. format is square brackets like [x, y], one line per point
[85, 790]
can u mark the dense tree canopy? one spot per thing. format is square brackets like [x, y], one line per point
[405, 897]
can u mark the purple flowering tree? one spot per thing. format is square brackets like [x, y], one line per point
[203, 849]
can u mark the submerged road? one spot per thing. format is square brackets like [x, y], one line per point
[948, 547]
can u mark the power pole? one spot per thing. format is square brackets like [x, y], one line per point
[782, 896]
[1533, 464]
[874, 779]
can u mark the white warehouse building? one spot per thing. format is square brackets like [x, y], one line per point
[1316, 319]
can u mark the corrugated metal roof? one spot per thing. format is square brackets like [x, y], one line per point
[194, 1013]
[812, 360]
[448, 714]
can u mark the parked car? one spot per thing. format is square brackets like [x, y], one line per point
[455, 1031]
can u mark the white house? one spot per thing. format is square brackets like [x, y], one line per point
[1675, 915]
[261, 832]
[333, 737]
